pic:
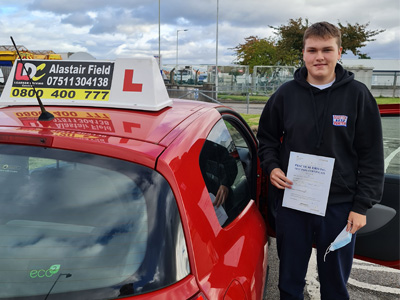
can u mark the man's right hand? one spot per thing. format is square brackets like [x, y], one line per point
[279, 180]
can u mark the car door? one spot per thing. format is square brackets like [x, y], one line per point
[379, 240]
[229, 158]
[247, 147]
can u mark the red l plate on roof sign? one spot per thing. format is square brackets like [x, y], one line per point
[129, 86]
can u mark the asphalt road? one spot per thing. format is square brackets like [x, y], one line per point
[254, 109]
[367, 281]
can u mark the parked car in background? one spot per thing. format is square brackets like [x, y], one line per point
[380, 238]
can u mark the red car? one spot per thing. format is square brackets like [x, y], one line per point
[113, 197]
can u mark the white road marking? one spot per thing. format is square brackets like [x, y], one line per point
[374, 287]
[363, 265]
[312, 283]
[390, 157]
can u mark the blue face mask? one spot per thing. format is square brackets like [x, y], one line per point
[341, 240]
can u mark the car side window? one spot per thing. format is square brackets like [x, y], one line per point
[390, 130]
[224, 174]
[242, 148]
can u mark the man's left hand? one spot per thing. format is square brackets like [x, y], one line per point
[355, 221]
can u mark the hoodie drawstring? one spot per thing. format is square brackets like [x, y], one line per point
[315, 112]
[320, 130]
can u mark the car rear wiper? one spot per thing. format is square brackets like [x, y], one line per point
[45, 115]
[67, 275]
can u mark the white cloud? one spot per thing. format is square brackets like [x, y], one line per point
[107, 29]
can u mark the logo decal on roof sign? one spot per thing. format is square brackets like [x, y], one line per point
[21, 75]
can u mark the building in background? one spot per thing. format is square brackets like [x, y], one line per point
[381, 76]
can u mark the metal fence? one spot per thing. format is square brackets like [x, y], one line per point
[232, 80]
[267, 79]
[386, 83]
[199, 82]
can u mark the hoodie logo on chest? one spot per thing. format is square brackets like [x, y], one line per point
[340, 120]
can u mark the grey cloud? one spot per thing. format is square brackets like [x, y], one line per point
[108, 20]
[62, 6]
[133, 23]
[78, 19]
[383, 51]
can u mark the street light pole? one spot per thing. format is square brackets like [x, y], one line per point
[216, 57]
[159, 36]
[176, 67]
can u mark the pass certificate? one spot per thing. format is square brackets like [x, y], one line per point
[311, 176]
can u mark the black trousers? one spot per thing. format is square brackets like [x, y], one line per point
[296, 233]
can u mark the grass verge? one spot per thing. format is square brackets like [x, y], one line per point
[380, 100]
[253, 120]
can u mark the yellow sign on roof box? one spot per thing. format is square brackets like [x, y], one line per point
[8, 55]
[54, 56]
[123, 83]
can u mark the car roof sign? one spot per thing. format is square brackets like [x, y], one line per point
[124, 83]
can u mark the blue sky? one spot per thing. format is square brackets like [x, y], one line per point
[125, 28]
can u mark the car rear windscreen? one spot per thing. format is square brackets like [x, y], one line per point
[80, 226]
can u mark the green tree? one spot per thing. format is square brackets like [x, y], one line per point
[290, 38]
[356, 36]
[286, 47]
[256, 51]
[290, 41]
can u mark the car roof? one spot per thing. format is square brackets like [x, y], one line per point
[119, 109]
[156, 127]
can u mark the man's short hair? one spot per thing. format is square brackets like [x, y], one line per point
[323, 30]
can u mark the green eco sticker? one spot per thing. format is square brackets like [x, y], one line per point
[45, 273]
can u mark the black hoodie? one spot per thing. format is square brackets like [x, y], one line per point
[341, 121]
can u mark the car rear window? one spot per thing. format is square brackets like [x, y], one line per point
[80, 226]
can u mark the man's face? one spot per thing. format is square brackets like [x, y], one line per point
[320, 57]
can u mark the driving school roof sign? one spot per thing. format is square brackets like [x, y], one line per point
[125, 83]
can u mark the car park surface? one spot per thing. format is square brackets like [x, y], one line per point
[113, 198]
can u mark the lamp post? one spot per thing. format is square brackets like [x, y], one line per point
[176, 68]
[216, 56]
[159, 35]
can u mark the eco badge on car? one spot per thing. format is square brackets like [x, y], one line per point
[40, 273]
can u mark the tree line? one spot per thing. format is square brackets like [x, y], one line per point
[285, 47]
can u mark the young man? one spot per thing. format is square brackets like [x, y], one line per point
[322, 112]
